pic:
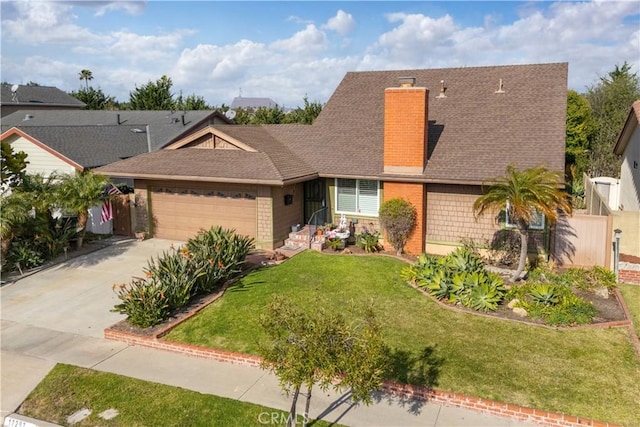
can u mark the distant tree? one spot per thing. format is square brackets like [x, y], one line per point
[306, 115]
[321, 347]
[86, 75]
[153, 96]
[13, 165]
[524, 191]
[191, 102]
[77, 193]
[94, 99]
[32, 83]
[398, 219]
[580, 130]
[267, 116]
[243, 116]
[610, 99]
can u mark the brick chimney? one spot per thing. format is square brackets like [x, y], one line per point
[405, 128]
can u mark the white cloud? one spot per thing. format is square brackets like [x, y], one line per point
[309, 40]
[130, 7]
[132, 47]
[343, 23]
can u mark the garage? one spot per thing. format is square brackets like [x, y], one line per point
[180, 210]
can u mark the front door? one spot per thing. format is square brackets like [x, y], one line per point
[315, 202]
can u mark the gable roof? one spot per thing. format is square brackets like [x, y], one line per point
[164, 126]
[86, 146]
[630, 125]
[27, 96]
[241, 102]
[264, 160]
[474, 132]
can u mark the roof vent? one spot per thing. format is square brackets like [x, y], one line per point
[442, 90]
[136, 130]
[500, 87]
[27, 117]
[407, 81]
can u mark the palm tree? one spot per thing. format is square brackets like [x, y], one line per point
[77, 193]
[14, 211]
[528, 192]
[86, 75]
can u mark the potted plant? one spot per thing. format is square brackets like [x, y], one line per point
[141, 232]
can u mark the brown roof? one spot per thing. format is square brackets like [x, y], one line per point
[474, 132]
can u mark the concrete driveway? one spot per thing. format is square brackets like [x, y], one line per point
[59, 314]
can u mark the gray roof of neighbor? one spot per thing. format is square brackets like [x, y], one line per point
[164, 126]
[41, 95]
[474, 132]
[241, 102]
[91, 146]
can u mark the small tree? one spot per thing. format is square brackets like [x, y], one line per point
[95, 99]
[13, 166]
[77, 193]
[85, 75]
[321, 347]
[527, 191]
[398, 219]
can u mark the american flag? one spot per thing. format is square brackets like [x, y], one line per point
[107, 208]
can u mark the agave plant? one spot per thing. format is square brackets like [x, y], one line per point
[545, 293]
[484, 297]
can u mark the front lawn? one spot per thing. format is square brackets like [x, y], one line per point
[589, 372]
[631, 295]
[67, 389]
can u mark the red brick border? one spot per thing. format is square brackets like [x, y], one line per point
[403, 391]
[629, 276]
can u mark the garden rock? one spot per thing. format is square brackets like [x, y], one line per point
[602, 292]
[78, 416]
[109, 414]
[520, 311]
[513, 303]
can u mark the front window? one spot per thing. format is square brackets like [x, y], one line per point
[357, 196]
[537, 219]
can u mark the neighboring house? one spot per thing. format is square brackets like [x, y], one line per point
[432, 139]
[70, 141]
[19, 97]
[252, 103]
[627, 218]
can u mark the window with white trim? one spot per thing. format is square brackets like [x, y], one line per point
[537, 219]
[357, 196]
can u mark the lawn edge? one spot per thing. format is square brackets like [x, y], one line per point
[404, 392]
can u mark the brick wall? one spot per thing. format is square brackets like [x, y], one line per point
[629, 276]
[405, 128]
[413, 193]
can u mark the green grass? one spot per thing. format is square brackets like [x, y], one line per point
[67, 389]
[631, 295]
[590, 372]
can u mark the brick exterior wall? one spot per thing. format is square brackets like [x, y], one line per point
[264, 239]
[414, 194]
[629, 276]
[405, 127]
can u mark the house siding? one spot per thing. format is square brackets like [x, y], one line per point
[284, 216]
[40, 161]
[630, 174]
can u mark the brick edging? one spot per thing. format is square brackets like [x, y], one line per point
[402, 391]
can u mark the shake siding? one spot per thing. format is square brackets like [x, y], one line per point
[286, 215]
[450, 215]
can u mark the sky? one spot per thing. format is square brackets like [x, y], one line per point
[286, 50]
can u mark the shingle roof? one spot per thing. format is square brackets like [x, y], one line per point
[241, 102]
[474, 133]
[42, 95]
[164, 126]
[272, 161]
[90, 146]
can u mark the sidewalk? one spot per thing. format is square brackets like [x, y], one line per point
[58, 315]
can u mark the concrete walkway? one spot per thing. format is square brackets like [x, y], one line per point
[59, 314]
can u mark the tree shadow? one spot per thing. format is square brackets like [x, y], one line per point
[244, 285]
[345, 399]
[418, 368]
[563, 248]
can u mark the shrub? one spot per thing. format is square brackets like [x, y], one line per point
[459, 278]
[334, 243]
[398, 219]
[369, 241]
[24, 254]
[172, 279]
[220, 253]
